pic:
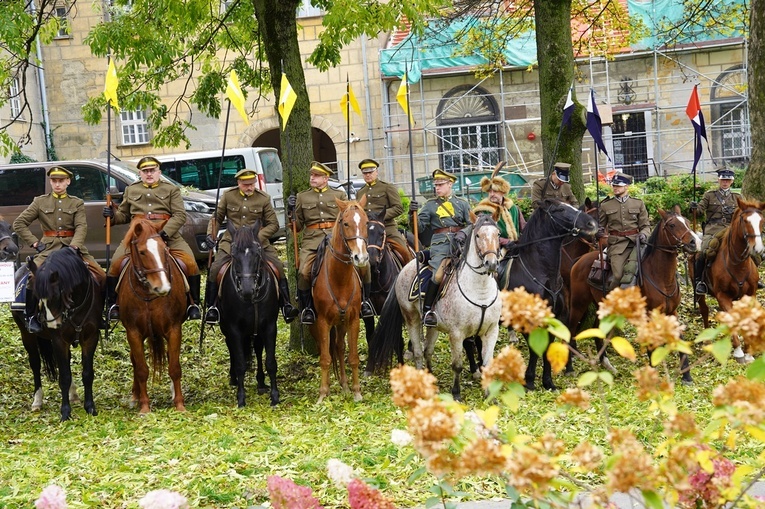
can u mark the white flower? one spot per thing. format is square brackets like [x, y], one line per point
[400, 437]
[52, 497]
[163, 499]
[340, 473]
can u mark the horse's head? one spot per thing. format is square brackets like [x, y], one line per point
[352, 229]
[8, 248]
[246, 260]
[675, 231]
[750, 214]
[375, 236]
[61, 285]
[149, 255]
[570, 220]
[484, 244]
[590, 208]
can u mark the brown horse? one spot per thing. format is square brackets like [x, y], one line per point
[152, 297]
[733, 274]
[337, 296]
[657, 274]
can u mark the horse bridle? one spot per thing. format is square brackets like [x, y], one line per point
[745, 253]
[677, 246]
[337, 255]
[261, 279]
[68, 313]
[141, 272]
[478, 269]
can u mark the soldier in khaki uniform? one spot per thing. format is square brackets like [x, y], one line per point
[554, 186]
[157, 201]
[243, 206]
[63, 222]
[382, 195]
[316, 211]
[624, 220]
[718, 206]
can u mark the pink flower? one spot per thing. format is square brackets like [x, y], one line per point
[706, 488]
[163, 499]
[363, 496]
[52, 497]
[285, 494]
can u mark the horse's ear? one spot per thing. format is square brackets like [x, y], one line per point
[137, 229]
[588, 202]
[342, 205]
[677, 210]
[256, 227]
[231, 228]
[31, 265]
[473, 217]
[363, 202]
[662, 213]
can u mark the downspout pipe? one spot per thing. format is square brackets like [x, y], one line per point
[43, 93]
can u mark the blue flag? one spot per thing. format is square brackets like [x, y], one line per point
[594, 124]
[568, 109]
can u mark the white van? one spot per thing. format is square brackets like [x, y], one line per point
[200, 170]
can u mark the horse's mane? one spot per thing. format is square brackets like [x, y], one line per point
[71, 272]
[243, 238]
[537, 218]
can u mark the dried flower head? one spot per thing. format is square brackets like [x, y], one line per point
[508, 366]
[747, 397]
[52, 497]
[285, 494]
[400, 437]
[587, 456]
[626, 302]
[681, 459]
[650, 384]
[524, 311]
[681, 423]
[573, 396]
[482, 456]
[163, 499]
[530, 471]
[549, 444]
[340, 473]
[659, 330]
[432, 423]
[363, 496]
[443, 462]
[409, 385]
[631, 466]
[746, 318]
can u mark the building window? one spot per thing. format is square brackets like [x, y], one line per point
[135, 130]
[469, 129]
[306, 10]
[62, 13]
[731, 140]
[14, 98]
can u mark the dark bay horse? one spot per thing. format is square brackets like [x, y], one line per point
[535, 262]
[470, 306]
[249, 309]
[8, 248]
[337, 297]
[657, 274]
[733, 274]
[152, 297]
[71, 303]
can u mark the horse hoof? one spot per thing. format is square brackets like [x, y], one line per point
[569, 372]
[687, 383]
[552, 388]
[357, 397]
[744, 359]
[366, 374]
[609, 367]
[530, 387]
[263, 390]
[320, 400]
[408, 356]
[477, 375]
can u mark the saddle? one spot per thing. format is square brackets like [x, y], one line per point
[424, 278]
[600, 272]
[126, 263]
[320, 253]
[227, 266]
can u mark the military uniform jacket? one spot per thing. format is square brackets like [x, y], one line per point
[244, 211]
[165, 198]
[54, 214]
[623, 221]
[562, 193]
[434, 215]
[718, 207]
[316, 208]
[382, 195]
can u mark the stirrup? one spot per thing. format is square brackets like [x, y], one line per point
[114, 313]
[289, 313]
[212, 316]
[33, 325]
[367, 310]
[193, 313]
[307, 317]
[701, 288]
[430, 319]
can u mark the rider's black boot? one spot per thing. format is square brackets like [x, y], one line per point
[192, 312]
[212, 315]
[30, 313]
[429, 317]
[113, 313]
[367, 309]
[288, 310]
[307, 317]
[700, 287]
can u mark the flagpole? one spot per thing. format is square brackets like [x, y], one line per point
[411, 161]
[348, 133]
[108, 196]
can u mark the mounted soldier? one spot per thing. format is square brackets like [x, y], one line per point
[508, 216]
[63, 222]
[443, 215]
[316, 211]
[160, 202]
[554, 186]
[242, 206]
[624, 221]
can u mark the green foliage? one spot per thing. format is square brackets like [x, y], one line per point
[18, 157]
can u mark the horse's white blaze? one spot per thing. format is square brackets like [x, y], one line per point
[37, 401]
[152, 245]
[51, 321]
[359, 252]
[696, 237]
[755, 220]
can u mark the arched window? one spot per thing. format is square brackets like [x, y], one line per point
[469, 129]
[731, 140]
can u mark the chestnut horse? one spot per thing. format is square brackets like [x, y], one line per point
[71, 302]
[657, 275]
[733, 274]
[152, 297]
[337, 296]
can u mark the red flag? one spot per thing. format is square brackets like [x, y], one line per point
[697, 119]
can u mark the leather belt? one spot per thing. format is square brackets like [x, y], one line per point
[623, 233]
[58, 233]
[321, 226]
[152, 216]
[448, 229]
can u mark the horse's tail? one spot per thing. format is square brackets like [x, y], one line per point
[158, 356]
[388, 337]
[50, 367]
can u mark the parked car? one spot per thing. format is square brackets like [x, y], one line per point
[21, 183]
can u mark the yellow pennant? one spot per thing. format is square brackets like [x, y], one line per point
[402, 98]
[349, 98]
[110, 87]
[286, 100]
[236, 96]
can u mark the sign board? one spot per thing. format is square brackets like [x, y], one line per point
[7, 290]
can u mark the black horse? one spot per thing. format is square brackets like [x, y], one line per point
[71, 303]
[8, 248]
[249, 309]
[536, 261]
[382, 263]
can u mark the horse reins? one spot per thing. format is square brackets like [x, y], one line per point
[744, 254]
[673, 248]
[337, 257]
[382, 249]
[261, 279]
[68, 313]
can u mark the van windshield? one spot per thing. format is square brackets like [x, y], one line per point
[272, 167]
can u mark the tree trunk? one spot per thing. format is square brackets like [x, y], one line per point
[277, 20]
[754, 179]
[555, 54]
